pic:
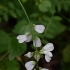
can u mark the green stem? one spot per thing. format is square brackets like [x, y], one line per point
[63, 16]
[48, 25]
[3, 56]
[31, 25]
[24, 10]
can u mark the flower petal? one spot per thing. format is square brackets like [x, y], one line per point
[37, 42]
[47, 58]
[39, 28]
[21, 38]
[50, 54]
[48, 47]
[29, 55]
[44, 69]
[47, 53]
[30, 65]
[29, 38]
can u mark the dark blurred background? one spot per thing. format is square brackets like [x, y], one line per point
[53, 14]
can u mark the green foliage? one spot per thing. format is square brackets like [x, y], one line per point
[54, 26]
[66, 55]
[21, 27]
[4, 41]
[44, 6]
[9, 65]
[16, 49]
[39, 12]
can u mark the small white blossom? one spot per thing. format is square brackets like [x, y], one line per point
[47, 51]
[37, 42]
[29, 37]
[29, 55]
[39, 28]
[26, 37]
[21, 38]
[43, 68]
[30, 65]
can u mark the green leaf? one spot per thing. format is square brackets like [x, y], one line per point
[34, 15]
[47, 3]
[44, 5]
[24, 1]
[57, 18]
[65, 7]
[42, 8]
[16, 49]
[59, 6]
[44, 41]
[18, 12]
[9, 65]
[5, 17]
[66, 55]
[11, 5]
[21, 27]
[53, 29]
[6, 10]
[4, 41]
[13, 14]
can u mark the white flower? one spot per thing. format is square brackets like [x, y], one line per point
[22, 38]
[39, 28]
[29, 55]
[37, 42]
[47, 51]
[27, 38]
[44, 69]
[30, 65]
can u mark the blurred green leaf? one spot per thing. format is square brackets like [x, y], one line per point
[21, 27]
[53, 29]
[34, 15]
[44, 41]
[18, 12]
[59, 6]
[24, 1]
[11, 5]
[66, 55]
[5, 17]
[16, 49]
[57, 18]
[44, 5]
[4, 41]
[9, 65]
[13, 14]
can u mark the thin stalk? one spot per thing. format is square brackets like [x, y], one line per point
[36, 56]
[3, 56]
[26, 16]
[63, 16]
[48, 25]
[24, 10]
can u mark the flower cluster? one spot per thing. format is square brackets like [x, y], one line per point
[27, 36]
[46, 50]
